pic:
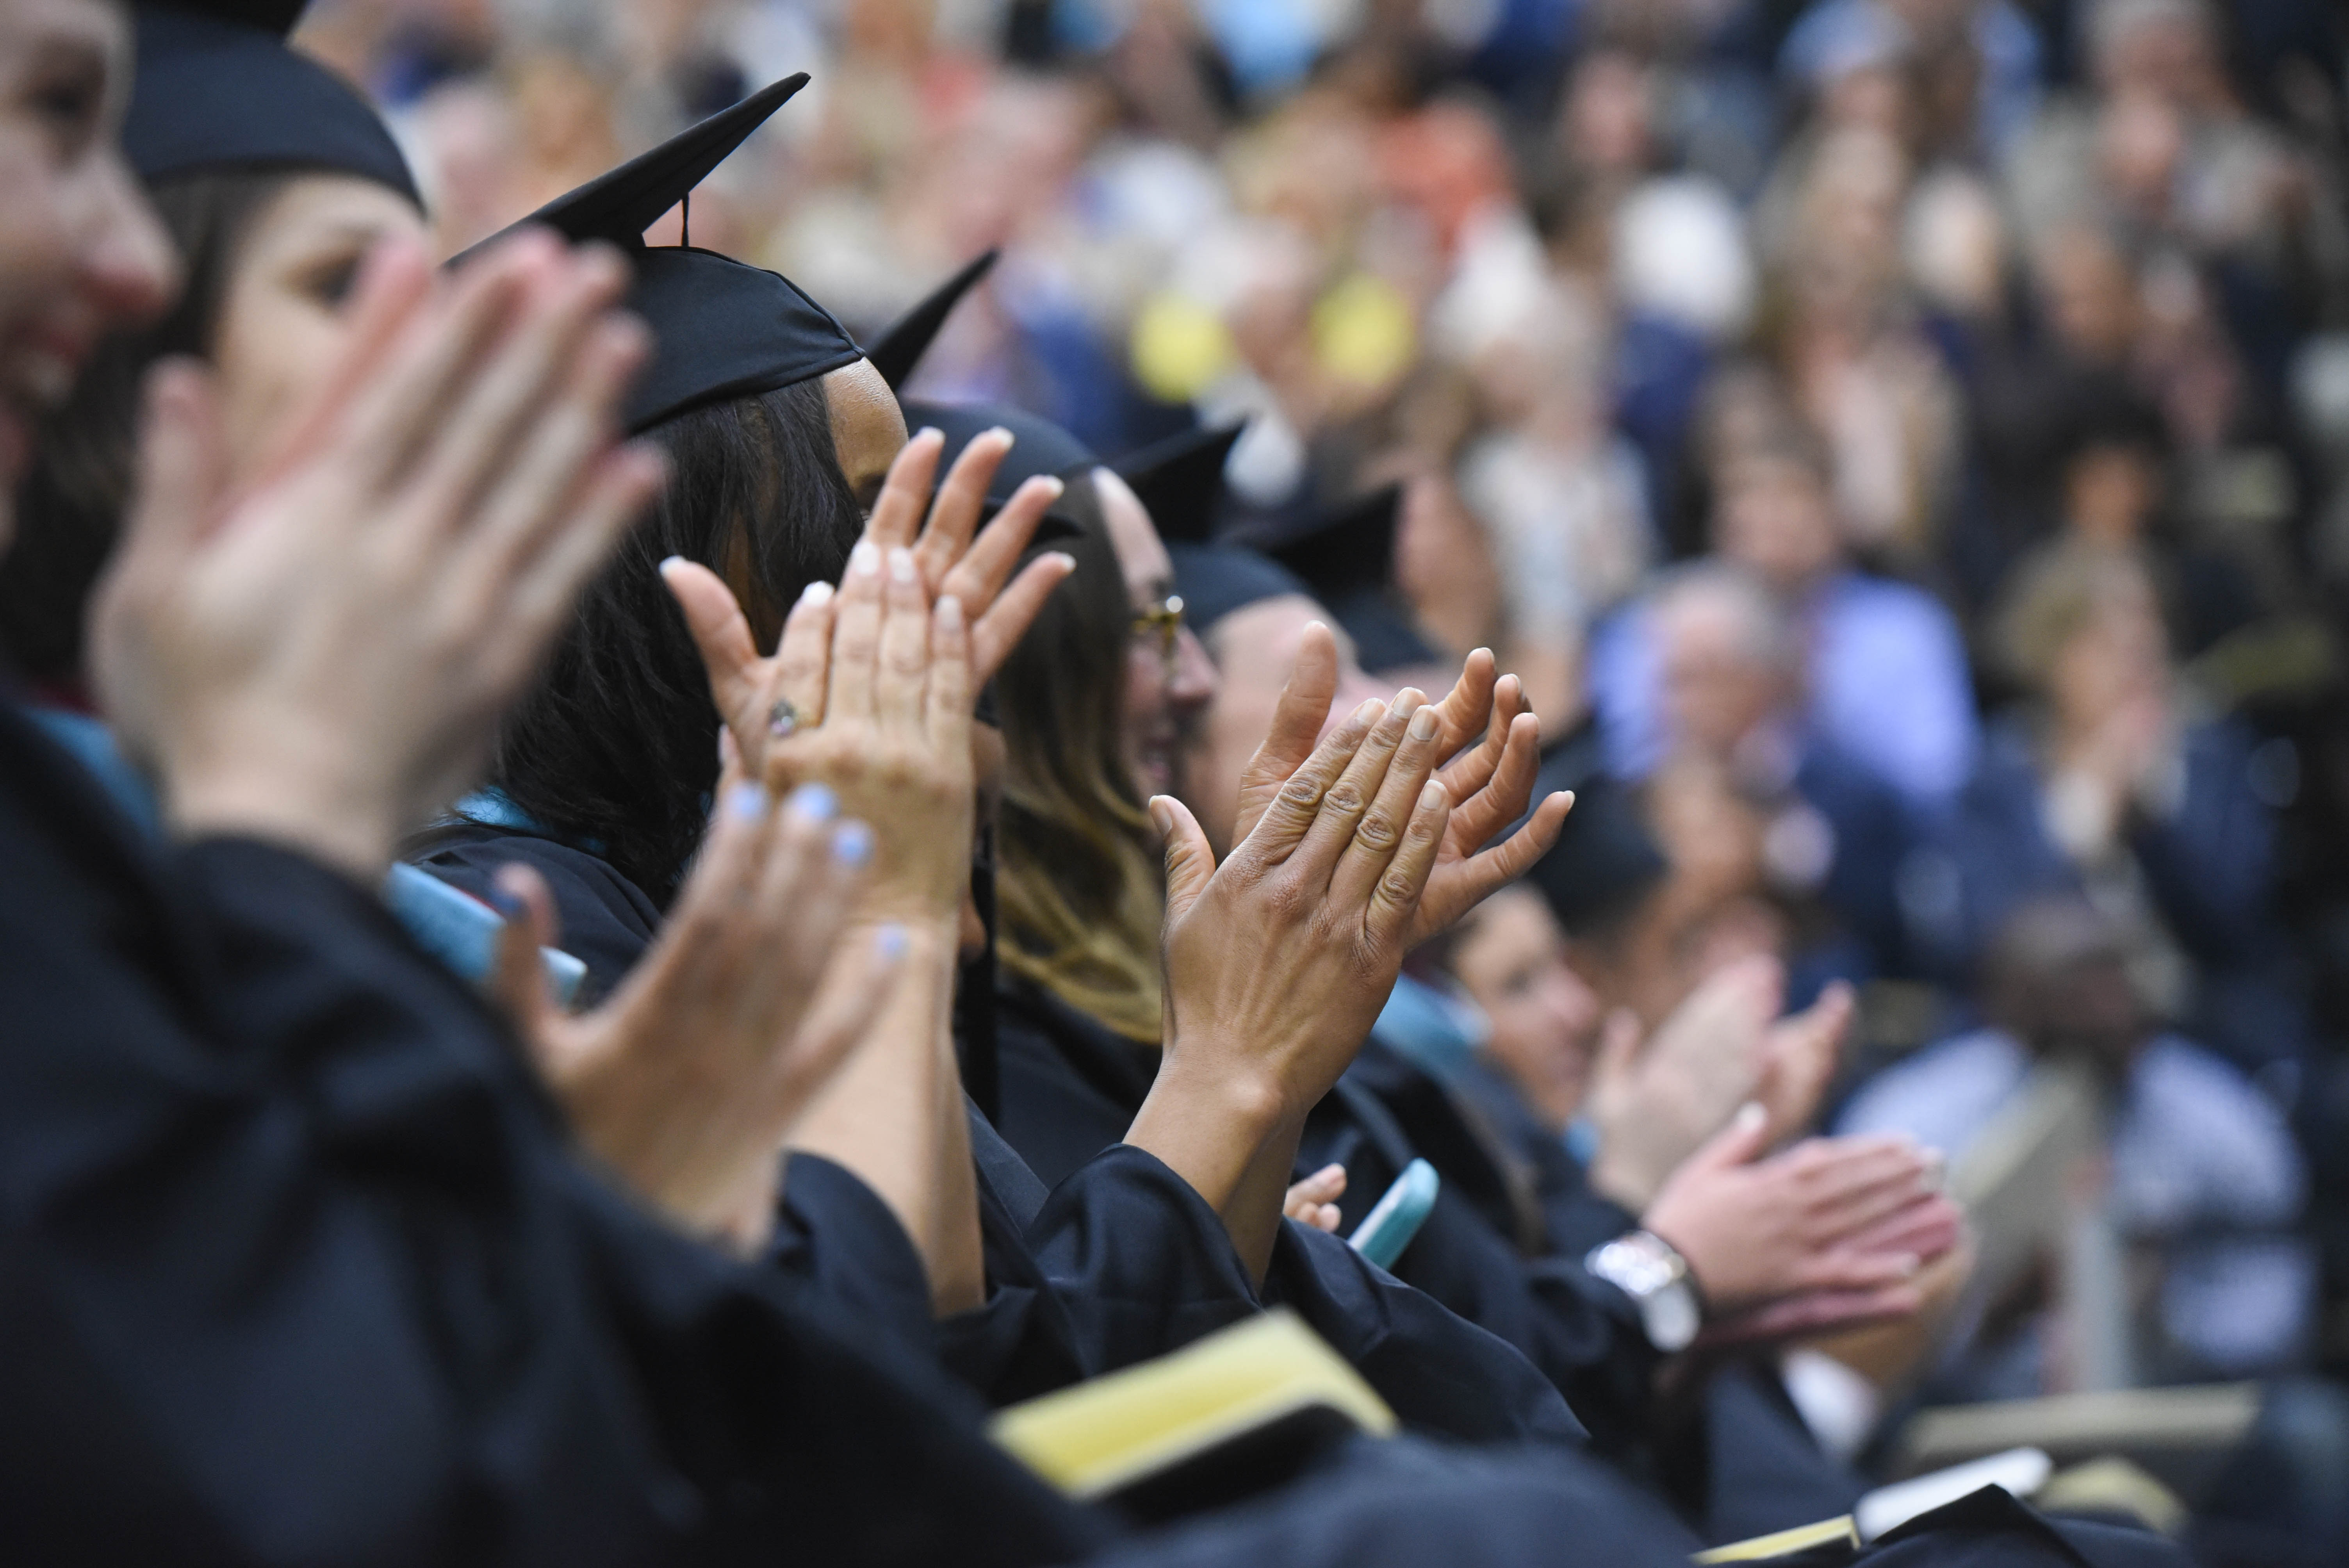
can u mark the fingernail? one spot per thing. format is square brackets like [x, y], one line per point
[1009, 439]
[813, 803]
[892, 943]
[1430, 796]
[1063, 557]
[1162, 815]
[851, 844]
[509, 904]
[901, 565]
[1059, 487]
[1423, 724]
[748, 802]
[864, 560]
[1750, 1116]
[670, 560]
[816, 593]
[950, 613]
[926, 432]
[1370, 712]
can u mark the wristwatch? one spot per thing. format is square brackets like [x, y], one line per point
[1644, 1267]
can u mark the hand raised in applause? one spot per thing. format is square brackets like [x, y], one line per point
[320, 653]
[1489, 783]
[952, 557]
[687, 1083]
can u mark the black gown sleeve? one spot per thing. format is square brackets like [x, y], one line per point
[296, 1266]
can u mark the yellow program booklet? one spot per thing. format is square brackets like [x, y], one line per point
[1241, 1409]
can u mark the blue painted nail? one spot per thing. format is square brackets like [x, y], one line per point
[893, 943]
[747, 802]
[813, 803]
[851, 844]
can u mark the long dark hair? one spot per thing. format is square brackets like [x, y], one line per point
[1076, 885]
[616, 747]
[70, 504]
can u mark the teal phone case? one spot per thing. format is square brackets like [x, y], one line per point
[1395, 1219]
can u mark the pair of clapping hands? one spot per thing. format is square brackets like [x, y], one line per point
[316, 651]
[1698, 1125]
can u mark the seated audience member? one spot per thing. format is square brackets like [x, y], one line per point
[234, 1018]
[2205, 1182]
[1886, 668]
[1073, 1079]
[2110, 782]
[1543, 1065]
[1833, 836]
[1028, 1299]
[256, 1141]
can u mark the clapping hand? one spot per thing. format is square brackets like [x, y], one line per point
[771, 698]
[1490, 784]
[319, 652]
[688, 1083]
[1830, 1231]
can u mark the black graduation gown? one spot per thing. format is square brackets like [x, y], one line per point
[296, 1266]
[1069, 1084]
[1116, 1259]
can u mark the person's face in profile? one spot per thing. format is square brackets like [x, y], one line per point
[284, 317]
[1511, 961]
[81, 252]
[868, 428]
[1169, 680]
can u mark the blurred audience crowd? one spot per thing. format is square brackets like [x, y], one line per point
[1905, 442]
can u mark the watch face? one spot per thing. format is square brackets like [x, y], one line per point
[1670, 1317]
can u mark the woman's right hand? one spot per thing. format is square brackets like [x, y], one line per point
[952, 557]
[1278, 960]
[321, 656]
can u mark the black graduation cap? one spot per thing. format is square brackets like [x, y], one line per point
[1345, 554]
[1605, 859]
[722, 328]
[1038, 445]
[1180, 480]
[218, 88]
[900, 347]
[1216, 578]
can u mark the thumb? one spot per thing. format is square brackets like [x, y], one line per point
[1189, 862]
[517, 977]
[181, 470]
[720, 631]
[1740, 1143]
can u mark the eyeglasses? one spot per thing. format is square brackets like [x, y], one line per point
[1163, 621]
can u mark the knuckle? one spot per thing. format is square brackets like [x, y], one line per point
[1376, 831]
[1344, 799]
